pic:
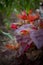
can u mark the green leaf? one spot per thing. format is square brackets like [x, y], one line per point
[7, 34]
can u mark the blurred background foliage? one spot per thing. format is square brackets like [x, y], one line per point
[8, 6]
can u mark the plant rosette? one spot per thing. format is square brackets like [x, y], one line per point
[36, 34]
[24, 36]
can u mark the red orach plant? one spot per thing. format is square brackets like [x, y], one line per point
[23, 15]
[13, 26]
[29, 17]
